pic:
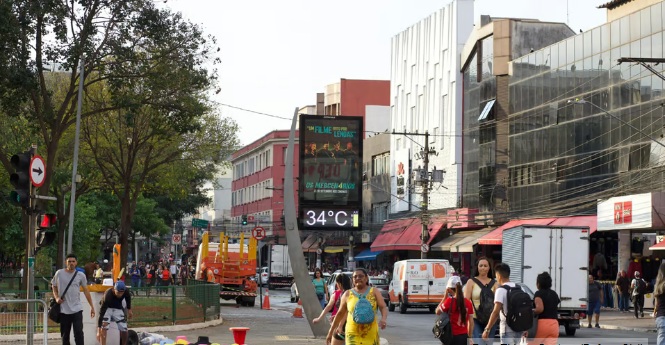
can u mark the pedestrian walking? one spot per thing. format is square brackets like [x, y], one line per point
[547, 302]
[113, 311]
[362, 300]
[71, 309]
[99, 274]
[595, 301]
[480, 290]
[135, 272]
[320, 287]
[506, 334]
[460, 311]
[342, 283]
[659, 304]
[623, 287]
[638, 288]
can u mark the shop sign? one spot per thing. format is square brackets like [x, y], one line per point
[626, 212]
[400, 187]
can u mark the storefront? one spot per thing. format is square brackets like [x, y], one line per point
[629, 231]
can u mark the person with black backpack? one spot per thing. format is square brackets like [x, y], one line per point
[512, 306]
[638, 288]
[480, 290]
[547, 302]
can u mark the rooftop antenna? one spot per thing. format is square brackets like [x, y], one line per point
[567, 14]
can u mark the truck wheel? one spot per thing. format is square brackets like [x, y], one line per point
[391, 306]
[251, 302]
[402, 307]
[238, 300]
[570, 331]
[432, 309]
[293, 300]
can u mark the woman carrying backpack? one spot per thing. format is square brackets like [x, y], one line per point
[359, 306]
[460, 310]
[547, 306]
[343, 283]
[480, 290]
[659, 304]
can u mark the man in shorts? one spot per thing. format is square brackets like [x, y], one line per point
[112, 311]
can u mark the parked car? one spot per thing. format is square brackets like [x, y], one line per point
[262, 275]
[295, 295]
[382, 285]
[330, 284]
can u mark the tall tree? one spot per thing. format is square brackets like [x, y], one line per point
[132, 49]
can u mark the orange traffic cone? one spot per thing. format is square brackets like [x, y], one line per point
[266, 301]
[297, 313]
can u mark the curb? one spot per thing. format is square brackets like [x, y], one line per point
[632, 329]
[155, 329]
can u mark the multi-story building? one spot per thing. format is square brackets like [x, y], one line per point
[487, 102]
[586, 124]
[258, 183]
[426, 95]
[352, 97]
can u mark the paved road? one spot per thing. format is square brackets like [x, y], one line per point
[415, 327]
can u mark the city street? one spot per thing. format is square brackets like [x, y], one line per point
[278, 327]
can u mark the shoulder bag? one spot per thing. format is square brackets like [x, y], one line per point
[54, 307]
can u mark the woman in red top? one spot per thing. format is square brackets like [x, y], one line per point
[460, 311]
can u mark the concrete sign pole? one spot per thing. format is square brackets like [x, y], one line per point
[310, 302]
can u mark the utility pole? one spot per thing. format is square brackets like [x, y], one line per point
[425, 182]
[424, 216]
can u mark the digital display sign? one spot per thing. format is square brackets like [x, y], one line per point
[331, 218]
[330, 170]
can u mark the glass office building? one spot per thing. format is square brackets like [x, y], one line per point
[583, 127]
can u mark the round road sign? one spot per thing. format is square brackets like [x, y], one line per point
[424, 248]
[259, 233]
[37, 171]
[176, 239]
[319, 251]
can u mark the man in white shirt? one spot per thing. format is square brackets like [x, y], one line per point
[508, 336]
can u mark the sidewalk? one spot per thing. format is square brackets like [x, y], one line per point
[613, 319]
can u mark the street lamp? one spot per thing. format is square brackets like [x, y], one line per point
[581, 101]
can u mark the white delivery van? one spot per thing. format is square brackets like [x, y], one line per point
[418, 284]
[563, 252]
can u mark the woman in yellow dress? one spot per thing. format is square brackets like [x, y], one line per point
[359, 334]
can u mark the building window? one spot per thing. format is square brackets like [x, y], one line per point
[283, 155]
[380, 164]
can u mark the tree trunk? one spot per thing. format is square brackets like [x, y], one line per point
[126, 216]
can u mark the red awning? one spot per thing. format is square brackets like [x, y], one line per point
[391, 231]
[658, 246]
[408, 238]
[588, 221]
[495, 237]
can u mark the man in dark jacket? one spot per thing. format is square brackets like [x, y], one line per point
[638, 288]
[623, 286]
[113, 311]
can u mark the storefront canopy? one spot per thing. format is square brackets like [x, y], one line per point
[466, 245]
[367, 255]
[310, 244]
[658, 246]
[404, 234]
[495, 237]
[445, 244]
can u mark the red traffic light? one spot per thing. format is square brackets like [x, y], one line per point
[46, 220]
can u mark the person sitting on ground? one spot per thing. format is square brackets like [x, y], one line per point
[112, 311]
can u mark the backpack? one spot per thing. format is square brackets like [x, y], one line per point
[486, 306]
[442, 329]
[520, 309]
[363, 313]
[640, 286]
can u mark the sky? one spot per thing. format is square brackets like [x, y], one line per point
[276, 55]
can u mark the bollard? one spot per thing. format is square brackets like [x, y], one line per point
[239, 334]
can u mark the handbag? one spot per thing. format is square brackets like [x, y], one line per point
[442, 329]
[54, 307]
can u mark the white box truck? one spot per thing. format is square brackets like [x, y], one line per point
[281, 273]
[563, 252]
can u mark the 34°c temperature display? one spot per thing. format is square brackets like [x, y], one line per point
[321, 218]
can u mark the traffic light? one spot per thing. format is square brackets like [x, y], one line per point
[244, 219]
[44, 235]
[20, 179]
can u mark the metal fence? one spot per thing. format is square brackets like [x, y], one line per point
[24, 319]
[155, 305]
